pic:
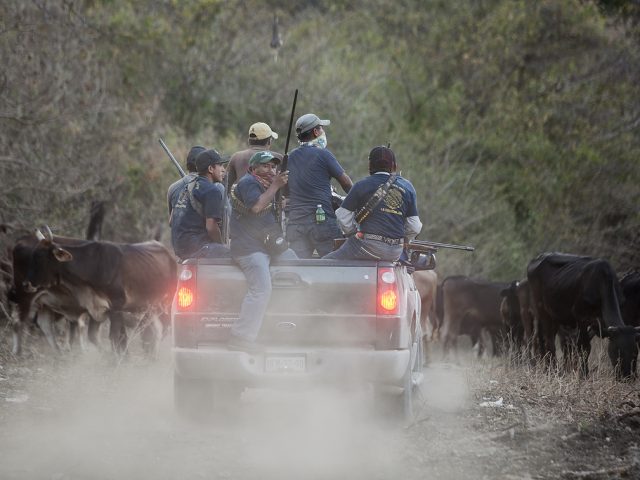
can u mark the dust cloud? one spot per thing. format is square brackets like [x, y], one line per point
[87, 417]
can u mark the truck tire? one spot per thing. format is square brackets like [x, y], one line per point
[192, 398]
[400, 406]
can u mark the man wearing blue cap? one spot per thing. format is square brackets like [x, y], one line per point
[197, 215]
[255, 241]
[311, 168]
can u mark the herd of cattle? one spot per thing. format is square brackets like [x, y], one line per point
[86, 282]
[569, 297]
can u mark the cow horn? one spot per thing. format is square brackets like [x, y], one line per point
[47, 233]
[39, 234]
[612, 329]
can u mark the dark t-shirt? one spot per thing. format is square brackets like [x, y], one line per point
[387, 218]
[310, 171]
[247, 228]
[176, 187]
[188, 227]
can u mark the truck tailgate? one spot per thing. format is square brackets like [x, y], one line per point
[310, 303]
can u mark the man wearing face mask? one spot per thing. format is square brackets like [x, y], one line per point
[311, 220]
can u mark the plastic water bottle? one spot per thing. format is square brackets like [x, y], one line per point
[320, 215]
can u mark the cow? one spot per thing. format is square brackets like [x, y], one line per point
[471, 306]
[517, 316]
[630, 307]
[426, 282]
[105, 279]
[581, 295]
[43, 306]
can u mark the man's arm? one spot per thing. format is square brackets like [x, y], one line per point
[346, 220]
[345, 182]
[213, 230]
[412, 227]
[232, 176]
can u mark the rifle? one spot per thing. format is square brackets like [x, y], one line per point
[226, 217]
[283, 168]
[173, 159]
[433, 246]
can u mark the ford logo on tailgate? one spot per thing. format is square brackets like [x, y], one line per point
[286, 325]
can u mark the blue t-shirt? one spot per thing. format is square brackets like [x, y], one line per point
[387, 218]
[247, 228]
[188, 227]
[176, 187]
[310, 171]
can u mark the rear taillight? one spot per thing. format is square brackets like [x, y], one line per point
[387, 297]
[186, 288]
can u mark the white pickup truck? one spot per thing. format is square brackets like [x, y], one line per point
[328, 321]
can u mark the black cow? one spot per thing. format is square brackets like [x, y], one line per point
[518, 318]
[470, 306]
[581, 295]
[630, 308]
[105, 279]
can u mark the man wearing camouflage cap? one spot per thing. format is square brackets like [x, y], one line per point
[254, 214]
[311, 167]
[260, 139]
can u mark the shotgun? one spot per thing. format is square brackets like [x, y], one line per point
[173, 159]
[283, 168]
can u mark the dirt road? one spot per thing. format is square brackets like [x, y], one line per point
[85, 417]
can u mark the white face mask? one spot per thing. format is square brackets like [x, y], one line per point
[321, 141]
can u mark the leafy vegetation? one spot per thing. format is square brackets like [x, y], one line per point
[518, 122]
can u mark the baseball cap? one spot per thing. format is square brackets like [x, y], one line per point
[263, 157]
[191, 157]
[261, 130]
[308, 121]
[208, 158]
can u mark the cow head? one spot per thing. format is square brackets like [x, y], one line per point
[44, 262]
[623, 349]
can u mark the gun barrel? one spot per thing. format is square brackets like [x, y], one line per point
[426, 243]
[173, 159]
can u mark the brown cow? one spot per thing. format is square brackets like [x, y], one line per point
[427, 282]
[471, 306]
[105, 279]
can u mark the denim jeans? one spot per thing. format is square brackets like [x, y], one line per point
[358, 249]
[256, 270]
[305, 238]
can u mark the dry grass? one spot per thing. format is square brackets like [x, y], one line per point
[546, 394]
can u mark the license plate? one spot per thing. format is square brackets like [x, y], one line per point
[285, 364]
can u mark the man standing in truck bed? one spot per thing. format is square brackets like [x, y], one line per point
[254, 214]
[379, 212]
[311, 168]
[260, 138]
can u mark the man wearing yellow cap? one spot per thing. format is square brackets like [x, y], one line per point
[260, 138]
